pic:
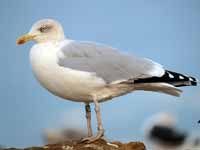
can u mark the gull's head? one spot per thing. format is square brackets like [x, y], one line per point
[45, 30]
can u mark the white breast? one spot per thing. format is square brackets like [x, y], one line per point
[64, 82]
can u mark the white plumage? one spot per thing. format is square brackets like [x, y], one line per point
[89, 72]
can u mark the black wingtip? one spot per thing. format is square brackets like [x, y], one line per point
[182, 80]
[193, 81]
[171, 77]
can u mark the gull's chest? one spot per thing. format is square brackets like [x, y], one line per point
[44, 65]
[43, 57]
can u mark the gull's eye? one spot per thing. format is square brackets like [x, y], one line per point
[45, 29]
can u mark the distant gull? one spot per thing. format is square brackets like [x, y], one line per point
[90, 72]
[161, 132]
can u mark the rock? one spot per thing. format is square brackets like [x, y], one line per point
[98, 145]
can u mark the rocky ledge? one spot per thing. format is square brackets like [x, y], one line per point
[98, 145]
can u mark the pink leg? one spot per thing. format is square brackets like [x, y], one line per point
[88, 117]
[99, 121]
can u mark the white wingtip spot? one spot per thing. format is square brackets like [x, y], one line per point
[170, 75]
[181, 77]
[191, 79]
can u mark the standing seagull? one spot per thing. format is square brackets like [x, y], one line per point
[89, 72]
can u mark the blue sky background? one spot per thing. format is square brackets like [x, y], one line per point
[165, 31]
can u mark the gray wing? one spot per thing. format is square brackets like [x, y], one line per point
[106, 62]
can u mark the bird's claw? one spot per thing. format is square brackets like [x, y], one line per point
[93, 138]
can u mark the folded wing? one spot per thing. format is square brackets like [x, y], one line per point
[106, 62]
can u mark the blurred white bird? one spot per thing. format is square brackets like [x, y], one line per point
[53, 136]
[89, 72]
[161, 133]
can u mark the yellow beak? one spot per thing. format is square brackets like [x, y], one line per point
[25, 38]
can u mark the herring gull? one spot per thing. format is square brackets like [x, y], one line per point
[90, 72]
